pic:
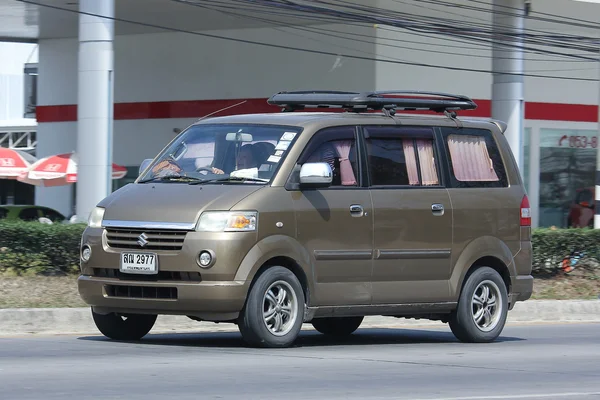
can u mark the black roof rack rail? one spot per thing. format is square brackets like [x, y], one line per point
[375, 100]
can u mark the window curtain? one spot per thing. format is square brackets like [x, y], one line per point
[470, 159]
[427, 162]
[411, 162]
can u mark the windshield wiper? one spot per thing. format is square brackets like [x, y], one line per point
[170, 179]
[229, 179]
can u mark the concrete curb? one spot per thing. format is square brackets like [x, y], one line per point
[52, 321]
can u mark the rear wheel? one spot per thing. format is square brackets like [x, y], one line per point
[124, 327]
[482, 308]
[274, 311]
[337, 326]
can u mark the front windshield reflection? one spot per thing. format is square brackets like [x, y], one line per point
[223, 151]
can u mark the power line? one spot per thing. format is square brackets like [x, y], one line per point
[562, 19]
[437, 26]
[344, 35]
[268, 6]
[299, 49]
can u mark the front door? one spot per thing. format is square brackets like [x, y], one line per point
[335, 224]
[412, 217]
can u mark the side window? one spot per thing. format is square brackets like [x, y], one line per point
[53, 215]
[337, 147]
[29, 214]
[401, 156]
[474, 158]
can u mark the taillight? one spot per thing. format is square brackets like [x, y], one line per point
[525, 212]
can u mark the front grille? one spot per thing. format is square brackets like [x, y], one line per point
[161, 276]
[141, 292]
[127, 238]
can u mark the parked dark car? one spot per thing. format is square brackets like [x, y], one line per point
[30, 213]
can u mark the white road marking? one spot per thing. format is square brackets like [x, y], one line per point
[518, 396]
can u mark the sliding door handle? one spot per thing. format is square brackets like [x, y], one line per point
[356, 210]
[437, 209]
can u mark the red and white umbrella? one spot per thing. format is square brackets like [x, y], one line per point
[60, 169]
[14, 162]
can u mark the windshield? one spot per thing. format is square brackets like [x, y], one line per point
[223, 152]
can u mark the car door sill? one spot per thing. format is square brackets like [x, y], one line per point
[400, 310]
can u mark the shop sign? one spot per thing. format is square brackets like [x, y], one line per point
[578, 141]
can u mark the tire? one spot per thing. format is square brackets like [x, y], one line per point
[463, 320]
[337, 326]
[130, 327]
[278, 328]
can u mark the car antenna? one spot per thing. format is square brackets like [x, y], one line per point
[222, 109]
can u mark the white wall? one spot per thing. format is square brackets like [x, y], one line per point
[14, 56]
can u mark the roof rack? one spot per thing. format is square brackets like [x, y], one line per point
[376, 100]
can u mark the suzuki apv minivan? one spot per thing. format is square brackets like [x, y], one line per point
[269, 221]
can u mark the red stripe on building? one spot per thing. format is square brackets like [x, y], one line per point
[200, 108]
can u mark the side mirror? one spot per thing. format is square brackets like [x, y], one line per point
[316, 174]
[144, 165]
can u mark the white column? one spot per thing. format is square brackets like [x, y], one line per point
[95, 104]
[534, 176]
[597, 195]
[507, 67]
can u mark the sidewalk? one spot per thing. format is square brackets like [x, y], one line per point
[50, 321]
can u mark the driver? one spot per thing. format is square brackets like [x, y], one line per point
[244, 160]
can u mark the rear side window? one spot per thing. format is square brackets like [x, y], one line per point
[474, 159]
[401, 156]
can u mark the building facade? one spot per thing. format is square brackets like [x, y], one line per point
[164, 80]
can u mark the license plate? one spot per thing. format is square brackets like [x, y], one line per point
[139, 263]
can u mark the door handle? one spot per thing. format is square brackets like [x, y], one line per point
[356, 210]
[437, 209]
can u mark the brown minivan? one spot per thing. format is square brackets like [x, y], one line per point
[269, 221]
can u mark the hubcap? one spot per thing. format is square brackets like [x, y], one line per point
[486, 306]
[280, 308]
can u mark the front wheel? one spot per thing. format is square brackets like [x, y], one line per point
[274, 311]
[126, 327]
[482, 308]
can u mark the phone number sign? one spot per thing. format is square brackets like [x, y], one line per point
[579, 142]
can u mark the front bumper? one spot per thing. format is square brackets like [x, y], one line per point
[213, 301]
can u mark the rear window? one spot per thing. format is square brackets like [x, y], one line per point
[475, 160]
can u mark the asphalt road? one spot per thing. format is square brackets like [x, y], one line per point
[529, 362]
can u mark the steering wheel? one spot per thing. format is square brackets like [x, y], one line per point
[208, 170]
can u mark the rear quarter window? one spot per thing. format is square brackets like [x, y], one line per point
[474, 159]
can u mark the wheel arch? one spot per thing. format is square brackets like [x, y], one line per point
[282, 251]
[483, 252]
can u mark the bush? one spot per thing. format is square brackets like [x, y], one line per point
[552, 246]
[31, 248]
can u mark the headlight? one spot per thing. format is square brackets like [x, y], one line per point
[235, 221]
[96, 216]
